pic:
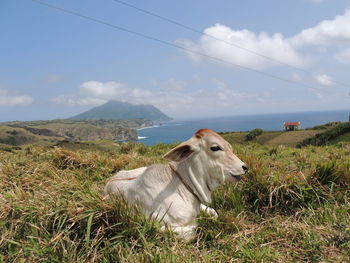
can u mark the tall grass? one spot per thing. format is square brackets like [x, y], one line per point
[292, 206]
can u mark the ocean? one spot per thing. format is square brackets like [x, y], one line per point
[180, 130]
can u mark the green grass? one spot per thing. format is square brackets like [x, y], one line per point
[342, 138]
[328, 136]
[293, 206]
[273, 138]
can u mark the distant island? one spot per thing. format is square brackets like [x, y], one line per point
[117, 110]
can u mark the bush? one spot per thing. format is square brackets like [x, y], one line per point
[325, 137]
[253, 134]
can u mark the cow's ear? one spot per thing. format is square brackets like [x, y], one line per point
[180, 152]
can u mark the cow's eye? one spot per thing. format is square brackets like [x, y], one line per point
[215, 148]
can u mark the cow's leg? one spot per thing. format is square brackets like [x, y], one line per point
[209, 210]
[185, 232]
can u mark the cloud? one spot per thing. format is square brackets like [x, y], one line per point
[327, 33]
[273, 46]
[343, 56]
[95, 93]
[10, 99]
[75, 100]
[323, 79]
[176, 99]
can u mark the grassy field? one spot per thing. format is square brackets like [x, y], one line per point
[18, 136]
[293, 206]
[273, 138]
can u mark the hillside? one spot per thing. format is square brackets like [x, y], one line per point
[272, 138]
[116, 110]
[329, 133]
[333, 133]
[52, 132]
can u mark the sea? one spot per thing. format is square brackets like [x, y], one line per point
[181, 130]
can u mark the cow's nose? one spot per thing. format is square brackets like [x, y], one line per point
[245, 168]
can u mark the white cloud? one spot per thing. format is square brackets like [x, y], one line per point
[96, 93]
[343, 56]
[101, 90]
[75, 100]
[326, 33]
[323, 79]
[173, 101]
[273, 46]
[10, 99]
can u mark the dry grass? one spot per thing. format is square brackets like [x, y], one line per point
[291, 138]
[293, 207]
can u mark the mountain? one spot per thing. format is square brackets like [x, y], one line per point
[117, 110]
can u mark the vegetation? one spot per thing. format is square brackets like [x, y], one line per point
[253, 134]
[54, 131]
[272, 138]
[293, 206]
[328, 135]
[325, 126]
[127, 123]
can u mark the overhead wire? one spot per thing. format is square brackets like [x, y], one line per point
[169, 43]
[220, 39]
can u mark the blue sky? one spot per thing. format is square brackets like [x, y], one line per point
[55, 65]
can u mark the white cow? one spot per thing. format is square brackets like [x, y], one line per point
[175, 192]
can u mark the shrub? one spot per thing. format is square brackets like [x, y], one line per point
[325, 137]
[253, 134]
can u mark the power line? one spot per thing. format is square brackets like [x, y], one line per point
[218, 39]
[168, 43]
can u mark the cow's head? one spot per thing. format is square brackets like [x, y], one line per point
[210, 157]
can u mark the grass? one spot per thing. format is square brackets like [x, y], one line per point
[342, 138]
[293, 207]
[273, 138]
[328, 136]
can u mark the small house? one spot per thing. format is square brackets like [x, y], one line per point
[292, 126]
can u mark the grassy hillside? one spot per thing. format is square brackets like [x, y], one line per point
[51, 132]
[335, 133]
[293, 206]
[19, 136]
[273, 138]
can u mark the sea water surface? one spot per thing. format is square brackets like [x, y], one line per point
[180, 130]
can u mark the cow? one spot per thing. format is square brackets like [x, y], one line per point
[174, 193]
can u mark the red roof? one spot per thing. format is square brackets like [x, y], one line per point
[292, 123]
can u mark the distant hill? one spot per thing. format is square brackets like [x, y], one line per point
[51, 132]
[117, 110]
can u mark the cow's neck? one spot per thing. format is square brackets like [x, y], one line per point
[196, 178]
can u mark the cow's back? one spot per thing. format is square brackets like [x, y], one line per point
[122, 181]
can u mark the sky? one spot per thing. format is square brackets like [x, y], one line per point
[249, 57]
